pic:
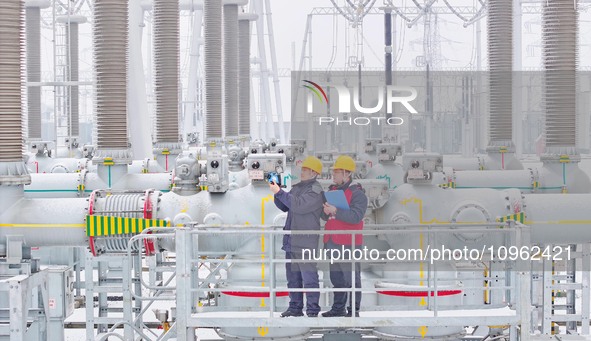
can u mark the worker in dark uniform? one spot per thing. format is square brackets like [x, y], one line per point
[344, 219]
[303, 204]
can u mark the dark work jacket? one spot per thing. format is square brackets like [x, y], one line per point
[303, 204]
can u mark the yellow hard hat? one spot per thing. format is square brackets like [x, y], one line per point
[313, 163]
[345, 162]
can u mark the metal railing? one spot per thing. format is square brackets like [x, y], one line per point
[197, 272]
[512, 276]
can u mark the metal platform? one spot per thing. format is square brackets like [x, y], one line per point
[500, 316]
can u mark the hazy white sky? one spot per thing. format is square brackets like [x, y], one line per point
[457, 43]
[290, 22]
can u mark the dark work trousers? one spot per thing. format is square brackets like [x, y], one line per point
[340, 277]
[302, 275]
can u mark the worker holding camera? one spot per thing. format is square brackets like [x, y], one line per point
[303, 204]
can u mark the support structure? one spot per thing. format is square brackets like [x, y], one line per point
[137, 100]
[193, 103]
[67, 95]
[564, 286]
[267, 129]
[117, 279]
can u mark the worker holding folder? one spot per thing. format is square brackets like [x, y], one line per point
[344, 209]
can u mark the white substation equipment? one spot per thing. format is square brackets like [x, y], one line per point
[193, 240]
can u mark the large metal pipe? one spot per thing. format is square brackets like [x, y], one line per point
[500, 56]
[71, 23]
[45, 227]
[559, 43]
[37, 164]
[551, 178]
[553, 219]
[166, 69]
[193, 120]
[230, 59]
[212, 26]
[525, 180]
[76, 185]
[244, 23]
[140, 136]
[110, 54]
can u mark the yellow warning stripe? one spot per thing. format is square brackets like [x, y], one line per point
[43, 225]
[520, 217]
[111, 225]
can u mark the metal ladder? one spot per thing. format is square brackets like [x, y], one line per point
[566, 281]
[117, 274]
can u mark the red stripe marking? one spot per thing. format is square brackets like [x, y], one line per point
[91, 203]
[404, 293]
[148, 243]
[254, 294]
[91, 212]
[91, 245]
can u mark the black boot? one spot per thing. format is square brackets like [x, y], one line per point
[291, 313]
[334, 313]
